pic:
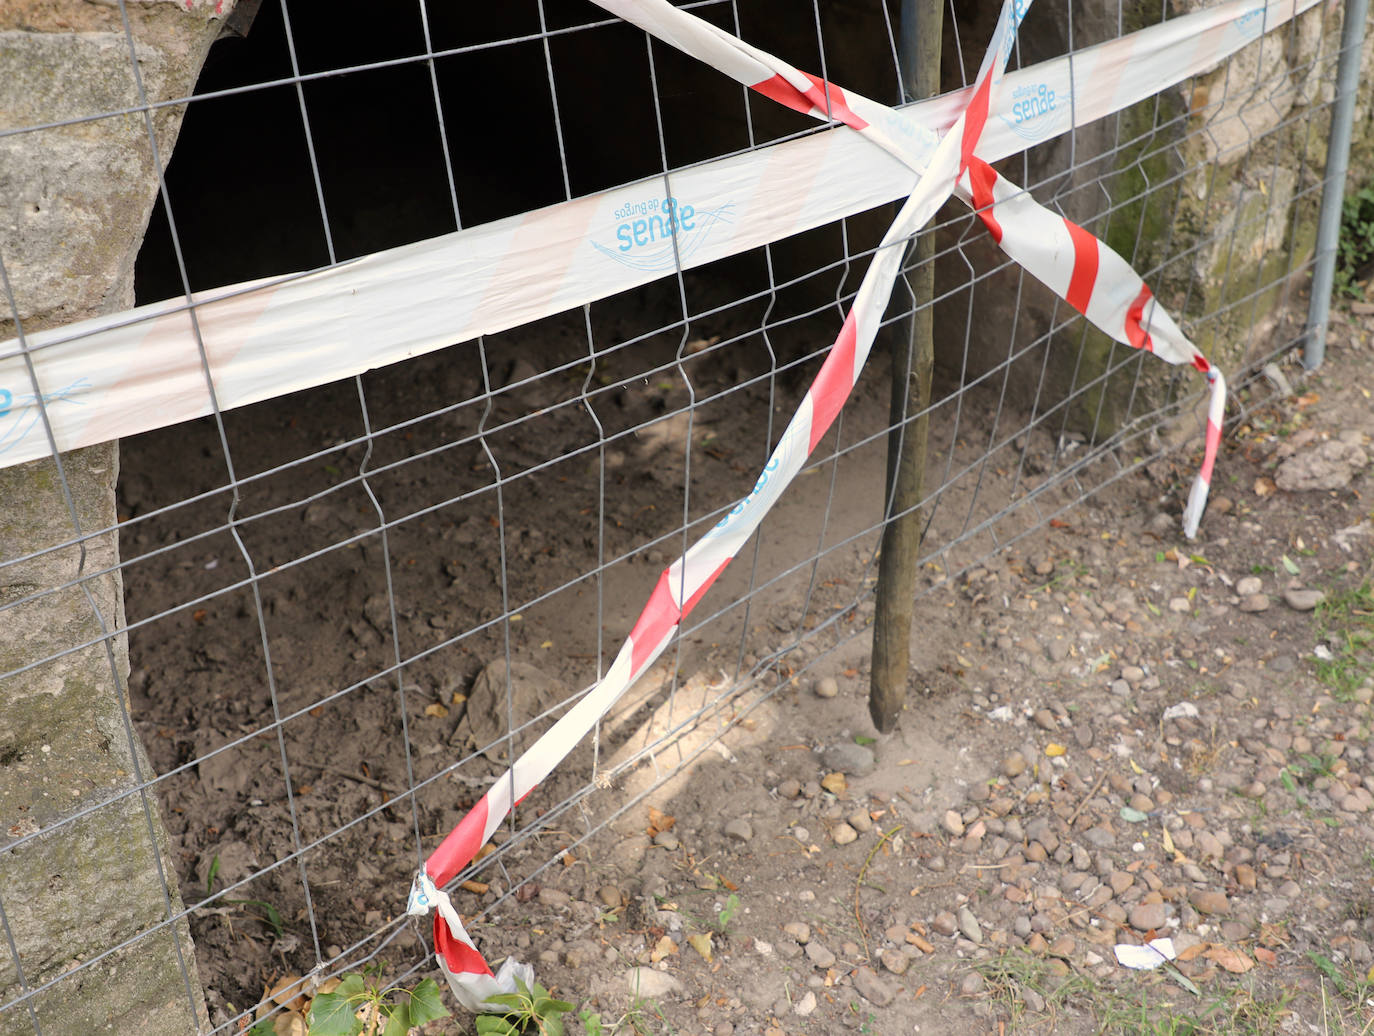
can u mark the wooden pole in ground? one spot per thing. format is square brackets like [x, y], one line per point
[919, 52]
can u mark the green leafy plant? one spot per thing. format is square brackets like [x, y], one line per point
[360, 1005]
[529, 1010]
[727, 913]
[1346, 622]
[591, 1022]
[1355, 250]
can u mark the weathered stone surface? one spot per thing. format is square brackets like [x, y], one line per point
[1331, 465]
[497, 700]
[92, 854]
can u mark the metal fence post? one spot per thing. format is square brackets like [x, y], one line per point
[906, 445]
[1333, 191]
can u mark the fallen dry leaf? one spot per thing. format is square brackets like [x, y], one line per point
[1055, 749]
[1192, 951]
[1232, 960]
[701, 942]
[289, 1024]
[659, 821]
[1266, 956]
[1264, 486]
[287, 992]
[663, 948]
[436, 710]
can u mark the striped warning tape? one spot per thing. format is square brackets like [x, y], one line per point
[1088, 274]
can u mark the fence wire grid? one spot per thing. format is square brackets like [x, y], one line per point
[347, 609]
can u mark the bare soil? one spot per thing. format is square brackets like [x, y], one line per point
[1105, 740]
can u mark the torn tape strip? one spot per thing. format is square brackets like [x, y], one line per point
[130, 372]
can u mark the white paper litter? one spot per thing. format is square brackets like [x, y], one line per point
[1147, 957]
[1183, 708]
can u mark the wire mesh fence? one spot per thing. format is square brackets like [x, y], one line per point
[347, 609]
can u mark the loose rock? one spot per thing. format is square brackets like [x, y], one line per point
[1209, 901]
[827, 687]
[1255, 603]
[843, 834]
[1303, 600]
[847, 757]
[872, 988]
[647, 983]
[819, 955]
[968, 924]
[895, 961]
[740, 830]
[1145, 916]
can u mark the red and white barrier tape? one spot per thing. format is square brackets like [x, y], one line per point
[129, 372]
[1088, 274]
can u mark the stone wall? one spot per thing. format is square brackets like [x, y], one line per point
[90, 871]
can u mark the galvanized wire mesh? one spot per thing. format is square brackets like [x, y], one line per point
[331, 571]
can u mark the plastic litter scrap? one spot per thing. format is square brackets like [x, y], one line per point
[1145, 958]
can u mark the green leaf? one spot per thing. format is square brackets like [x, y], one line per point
[427, 1003]
[547, 1005]
[492, 1025]
[591, 1022]
[352, 986]
[861, 739]
[210, 880]
[263, 1027]
[332, 1015]
[398, 1022]
[1182, 980]
[1288, 782]
[511, 1001]
[1290, 566]
[1133, 816]
[727, 912]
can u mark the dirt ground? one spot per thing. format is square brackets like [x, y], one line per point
[1113, 734]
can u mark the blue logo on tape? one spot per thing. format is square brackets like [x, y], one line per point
[647, 229]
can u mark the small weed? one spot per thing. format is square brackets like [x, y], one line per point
[211, 876]
[360, 1005]
[727, 913]
[1345, 621]
[269, 915]
[529, 1010]
[1355, 250]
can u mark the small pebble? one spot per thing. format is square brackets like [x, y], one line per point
[798, 930]
[895, 961]
[872, 988]
[953, 823]
[827, 687]
[1209, 901]
[860, 821]
[739, 830]
[1014, 765]
[968, 924]
[1145, 916]
[1248, 586]
[843, 834]
[819, 955]
[806, 1004]
[1255, 603]
[1303, 600]
[972, 984]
